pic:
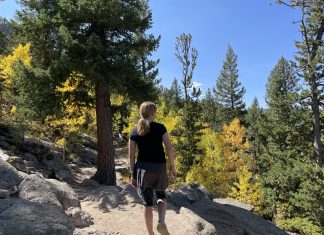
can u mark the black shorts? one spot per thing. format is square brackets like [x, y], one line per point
[150, 177]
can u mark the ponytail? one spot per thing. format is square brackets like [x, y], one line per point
[146, 110]
[143, 127]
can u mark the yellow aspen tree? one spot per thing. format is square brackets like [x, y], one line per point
[235, 146]
[74, 115]
[7, 72]
[247, 189]
[209, 171]
[224, 153]
[20, 53]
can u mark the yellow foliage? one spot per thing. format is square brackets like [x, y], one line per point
[167, 117]
[247, 191]
[74, 115]
[235, 145]
[20, 53]
[117, 99]
[132, 120]
[224, 153]
[210, 172]
[164, 116]
[13, 109]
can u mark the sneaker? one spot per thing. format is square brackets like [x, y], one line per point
[162, 229]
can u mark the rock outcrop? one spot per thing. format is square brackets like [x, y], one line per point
[9, 175]
[226, 219]
[19, 216]
[34, 188]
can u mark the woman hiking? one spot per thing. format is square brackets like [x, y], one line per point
[149, 174]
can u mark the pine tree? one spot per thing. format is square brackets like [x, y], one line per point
[188, 130]
[5, 31]
[229, 92]
[286, 152]
[105, 41]
[254, 120]
[173, 97]
[310, 61]
[209, 111]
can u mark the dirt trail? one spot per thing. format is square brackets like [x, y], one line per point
[126, 219]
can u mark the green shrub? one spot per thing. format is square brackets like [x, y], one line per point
[302, 226]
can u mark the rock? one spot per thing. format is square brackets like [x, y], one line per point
[87, 155]
[26, 163]
[63, 175]
[187, 195]
[89, 141]
[226, 219]
[30, 218]
[130, 195]
[80, 217]
[64, 193]
[105, 197]
[3, 155]
[74, 167]
[91, 231]
[251, 223]
[119, 152]
[18, 163]
[194, 224]
[123, 170]
[60, 170]
[35, 188]
[4, 143]
[9, 176]
[4, 194]
[22, 174]
[13, 190]
[90, 183]
[36, 147]
[228, 201]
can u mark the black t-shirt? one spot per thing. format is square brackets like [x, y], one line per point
[150, 148]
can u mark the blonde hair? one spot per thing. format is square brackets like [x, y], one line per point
[146, 110]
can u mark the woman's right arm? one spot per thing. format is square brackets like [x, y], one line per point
[170, 152]
[131, 154]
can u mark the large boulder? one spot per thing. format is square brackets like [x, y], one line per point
[36, 189]
[226, 219]
[48, 191]
[30, 218]
[9, 175]
[64, 193]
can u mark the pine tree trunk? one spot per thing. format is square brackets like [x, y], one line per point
[106, 162]
[318, 146]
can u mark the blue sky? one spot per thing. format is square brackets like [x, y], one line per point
[258, 31]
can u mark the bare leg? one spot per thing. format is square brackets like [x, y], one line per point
[161, 226]
[162, 205]
[148, 215]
